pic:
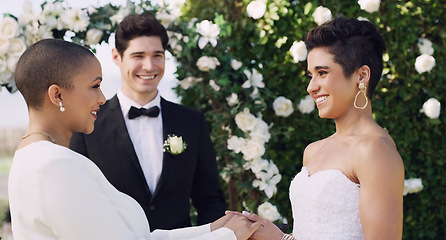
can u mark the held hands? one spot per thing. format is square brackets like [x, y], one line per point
[242, 226]
[268, 231]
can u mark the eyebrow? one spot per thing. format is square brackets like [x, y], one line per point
[138, 53]
[97, 78]
[318, 68]
[321, 67]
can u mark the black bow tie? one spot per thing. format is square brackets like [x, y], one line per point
[137, 112]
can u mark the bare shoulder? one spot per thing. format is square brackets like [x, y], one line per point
[377, 153]
[312, 149]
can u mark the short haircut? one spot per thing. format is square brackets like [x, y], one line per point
[353, 43]
[139, 25]
[48, 62]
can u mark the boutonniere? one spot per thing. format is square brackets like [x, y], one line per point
[174, 145]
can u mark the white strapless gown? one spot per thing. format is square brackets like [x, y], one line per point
[325, 206]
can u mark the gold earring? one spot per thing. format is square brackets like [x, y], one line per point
[362, 89]
[62, 109]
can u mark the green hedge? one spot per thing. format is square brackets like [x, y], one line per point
[396, 103]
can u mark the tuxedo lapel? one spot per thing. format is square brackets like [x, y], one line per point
[123, 138]
[168, 125]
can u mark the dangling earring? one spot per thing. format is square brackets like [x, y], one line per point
[62, 109]
[362, 89]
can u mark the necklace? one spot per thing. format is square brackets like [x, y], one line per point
[44, 134]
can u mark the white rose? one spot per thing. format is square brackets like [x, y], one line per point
[236, 144]
[94, 35]
[9, 28]
[236, 65]
[424, 63]
[283, 106]
[11, 62]
[176, 144]
[253, 149]
[17, 46]
[205, 63]
[232, 99]
[298, 51]
[321, 15]
[260, 132]
[256, 9]
[432, 108]
[412, 185]
[306, 105]
[4, 46]
[425, 46]
[268, 211]
[369, 6]
[245, 120]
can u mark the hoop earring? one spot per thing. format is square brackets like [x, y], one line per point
[62, 109]
[362, 89]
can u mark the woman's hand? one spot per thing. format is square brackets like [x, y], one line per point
[268, 231]
[242, 226]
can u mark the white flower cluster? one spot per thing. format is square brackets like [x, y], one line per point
[412, 185]
[425, 62]
[12, 45]
[169, 12]
[252, 148]
[284, 107]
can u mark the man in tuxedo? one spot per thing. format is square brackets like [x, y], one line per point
[127, 143]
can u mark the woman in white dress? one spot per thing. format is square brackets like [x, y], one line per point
[351, 183]
[55, 193]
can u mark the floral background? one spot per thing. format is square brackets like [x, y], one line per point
[243, 64]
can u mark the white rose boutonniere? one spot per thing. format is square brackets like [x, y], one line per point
[174, 145]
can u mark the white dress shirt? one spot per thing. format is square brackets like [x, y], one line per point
[146, 134]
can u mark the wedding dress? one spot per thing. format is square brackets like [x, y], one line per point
[325, 206]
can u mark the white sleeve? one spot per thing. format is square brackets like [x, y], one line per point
[77, 202]
[194, 233]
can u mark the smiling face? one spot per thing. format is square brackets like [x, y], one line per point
[333, 93]
[142, 67]
[82, 102]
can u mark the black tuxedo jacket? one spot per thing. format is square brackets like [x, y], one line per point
[191, 175]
